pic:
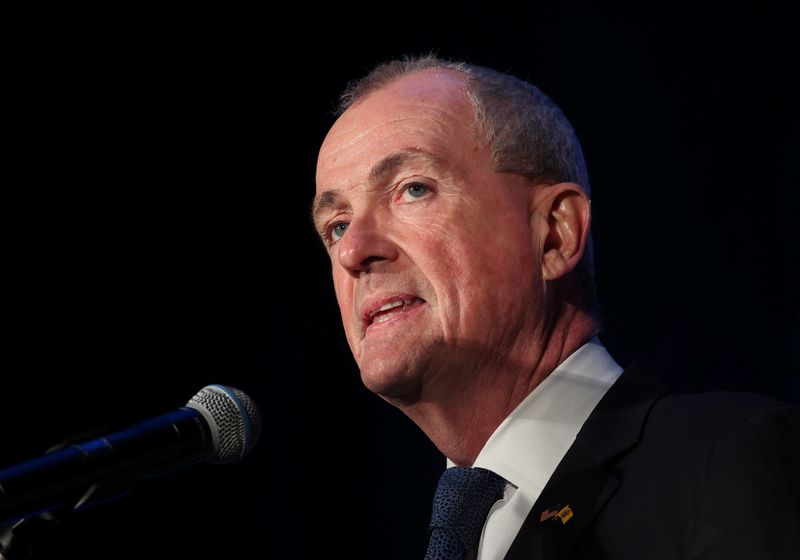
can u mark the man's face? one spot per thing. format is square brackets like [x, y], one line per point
[435, 260]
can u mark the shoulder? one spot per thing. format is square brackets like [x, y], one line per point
[719, 408]
[715, 475]
[742, 457]
[693, 435]
[721, 445]
[694, 417]
[722, 415]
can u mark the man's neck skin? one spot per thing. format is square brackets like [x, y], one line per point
[460, 419]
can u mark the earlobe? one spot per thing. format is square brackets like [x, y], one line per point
[568, 216]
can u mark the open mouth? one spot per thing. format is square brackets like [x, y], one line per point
[392, 309]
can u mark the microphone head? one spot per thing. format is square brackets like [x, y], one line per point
[233, 419]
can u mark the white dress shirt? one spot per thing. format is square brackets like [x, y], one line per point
[528, 446]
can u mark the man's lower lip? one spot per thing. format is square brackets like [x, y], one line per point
[404, 312]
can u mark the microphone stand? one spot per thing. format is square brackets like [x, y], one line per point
[23, 539]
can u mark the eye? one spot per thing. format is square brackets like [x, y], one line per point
[414, 191]
[337, 230]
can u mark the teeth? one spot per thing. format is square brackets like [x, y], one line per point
[391, 305]
[394, 304]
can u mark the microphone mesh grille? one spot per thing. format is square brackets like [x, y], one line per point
[227, 406]
[253, 416]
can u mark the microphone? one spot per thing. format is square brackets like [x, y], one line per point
[219, 424]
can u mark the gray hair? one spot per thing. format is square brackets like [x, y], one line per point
[527, 133]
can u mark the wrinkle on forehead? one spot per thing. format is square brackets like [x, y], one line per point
[428, 110]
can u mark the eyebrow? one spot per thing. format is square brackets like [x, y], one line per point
[379, 173]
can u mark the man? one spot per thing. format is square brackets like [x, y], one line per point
[453, 201]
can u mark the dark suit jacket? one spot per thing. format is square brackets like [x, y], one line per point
[659, 476]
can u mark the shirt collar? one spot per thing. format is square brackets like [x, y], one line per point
[528, 445]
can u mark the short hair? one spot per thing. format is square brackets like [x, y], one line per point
[527, 133]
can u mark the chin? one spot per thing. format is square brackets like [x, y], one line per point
[396, 385]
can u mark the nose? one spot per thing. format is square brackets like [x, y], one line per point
[364, 246]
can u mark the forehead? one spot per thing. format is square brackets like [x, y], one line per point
[426, 111]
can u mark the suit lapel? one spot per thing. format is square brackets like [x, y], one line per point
[579, 484]
[585, 479]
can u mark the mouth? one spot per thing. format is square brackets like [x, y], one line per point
[391, 308]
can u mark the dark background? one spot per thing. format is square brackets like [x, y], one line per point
[159, 174]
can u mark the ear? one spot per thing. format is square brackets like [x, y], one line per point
[563, 211]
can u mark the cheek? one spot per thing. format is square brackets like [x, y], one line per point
[476, 254]
[481, 274]
[441, 254]
[455, 267]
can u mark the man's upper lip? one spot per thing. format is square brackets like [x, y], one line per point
[372, 305]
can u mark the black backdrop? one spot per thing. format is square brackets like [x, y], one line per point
[159, 173]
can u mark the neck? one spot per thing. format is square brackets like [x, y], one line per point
[460, 417]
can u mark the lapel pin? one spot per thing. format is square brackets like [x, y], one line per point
[563, 514]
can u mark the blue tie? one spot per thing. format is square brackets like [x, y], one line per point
[461, 503]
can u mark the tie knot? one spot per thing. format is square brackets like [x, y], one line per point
[462, 501]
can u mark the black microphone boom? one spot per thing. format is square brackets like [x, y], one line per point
[220, 424]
